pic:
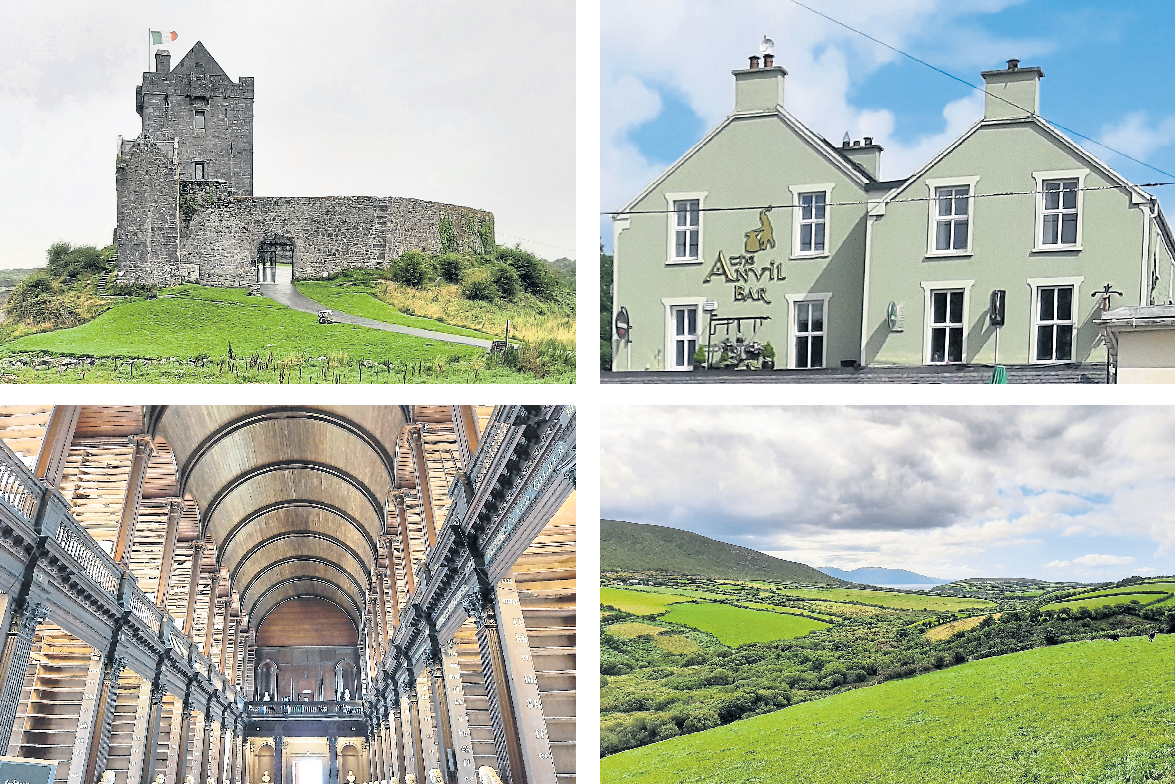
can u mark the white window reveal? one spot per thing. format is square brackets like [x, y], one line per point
[810, 219]
[1059, 199]
[685, 227]
[685, 336]
[198, 173]
[952, 218]
[950, 224]
[809, 334]
[946, 326]
[1054, 324]
[1059, 224]
[198, 120]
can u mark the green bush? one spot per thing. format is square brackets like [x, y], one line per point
[412, 269]
[477, 284]
[505, 280]
[66, 261]
[451, 265]
[533, 272]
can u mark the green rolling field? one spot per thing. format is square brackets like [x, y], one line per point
[899, 601]
[738, 626]
[1104, 601]
[639, 602]
[1081, 713]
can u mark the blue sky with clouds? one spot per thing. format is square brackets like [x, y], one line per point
[665, 76]
[1074, 493]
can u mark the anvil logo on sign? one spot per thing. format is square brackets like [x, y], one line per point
[739, 270]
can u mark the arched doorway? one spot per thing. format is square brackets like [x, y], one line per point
[266, 681]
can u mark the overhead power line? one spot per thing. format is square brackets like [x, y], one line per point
[879, 201]
[977, 87]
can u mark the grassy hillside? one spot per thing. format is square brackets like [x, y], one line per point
[1080, 713]
[631, 547]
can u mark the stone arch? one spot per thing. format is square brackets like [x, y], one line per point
[272, 252]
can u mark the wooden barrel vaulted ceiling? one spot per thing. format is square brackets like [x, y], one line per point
[292, 497]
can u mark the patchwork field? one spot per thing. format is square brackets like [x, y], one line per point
[1085, 712]
[1104, 601]
[898, 601]
[639, 602]
[948, 630]
[738, 626]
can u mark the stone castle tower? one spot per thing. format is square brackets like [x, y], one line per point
[206, 112]
[187, 213]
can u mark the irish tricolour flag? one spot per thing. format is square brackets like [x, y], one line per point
[158, 37]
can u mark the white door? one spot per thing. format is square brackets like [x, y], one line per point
[685, 336]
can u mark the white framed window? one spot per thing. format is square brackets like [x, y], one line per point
[683, 319]
[1055, 310]
[198, 170]
[198, 120]
[1059, 208]
[808, 314]
[950, 225]
[810, 238]
[947, 303]
[685, 227]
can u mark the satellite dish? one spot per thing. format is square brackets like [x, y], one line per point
[767, 46]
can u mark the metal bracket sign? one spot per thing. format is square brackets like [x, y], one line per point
[623, 325]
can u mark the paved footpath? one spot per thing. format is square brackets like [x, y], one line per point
[288, 295]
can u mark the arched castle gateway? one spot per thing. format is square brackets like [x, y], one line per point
[295, 594]
[187, 213]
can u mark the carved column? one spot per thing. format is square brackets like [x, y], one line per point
[175, 512]
[493, 664]
[144, 448]
[210, 616]
[332, 746]
[465, 423]
[55, 445]
[383, 609]
[414, 719]
[139, 744]
[154, 718]
[398, 726]
[416, 441]
[393, 589]
[206, 745]
[224, 631]
[185, 744]
[86, 719]
[440, 701]
[279, 766]
[405, 544]
[14, 661]
[104, 715]
[193, 586]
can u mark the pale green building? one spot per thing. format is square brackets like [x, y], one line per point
[766, 220]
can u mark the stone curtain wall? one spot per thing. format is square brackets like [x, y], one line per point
[147, 186]
[415, 225]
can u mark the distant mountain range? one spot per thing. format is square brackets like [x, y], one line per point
[875, 575]
[633, 547]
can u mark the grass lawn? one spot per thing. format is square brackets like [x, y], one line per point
[1105, 601]
[1081, 713]
[739, 625]
[898, 601]
[358, 300]
[193, 322]
[637, 602]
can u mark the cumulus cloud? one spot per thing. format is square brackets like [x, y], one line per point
[952, 490]
[691, 47]
[1137, 136]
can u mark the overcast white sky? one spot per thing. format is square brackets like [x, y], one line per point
[1080, 493]
[459, 102]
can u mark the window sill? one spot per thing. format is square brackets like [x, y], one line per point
[809, 256]
[1056, 248]
[960, 254]
[1052, 361]
[682, 262]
